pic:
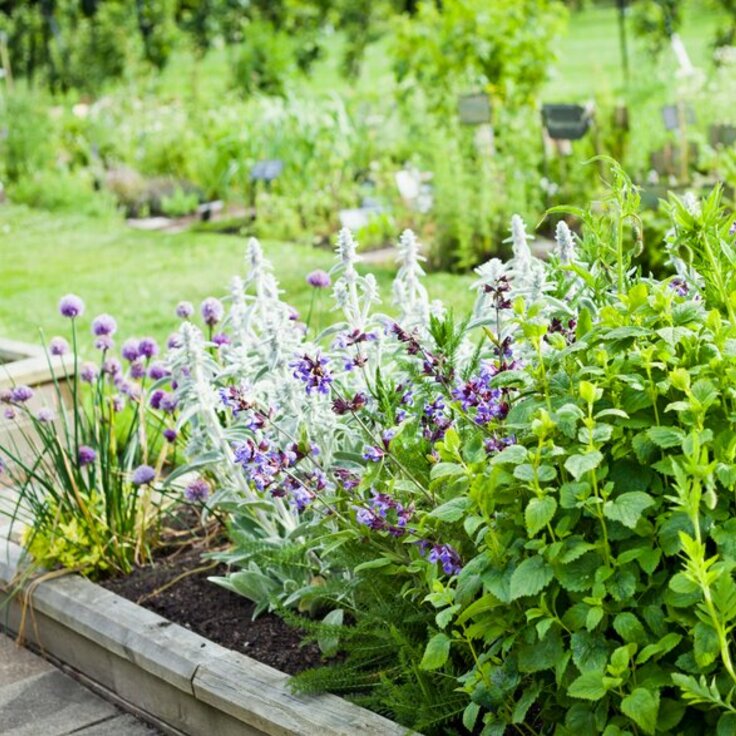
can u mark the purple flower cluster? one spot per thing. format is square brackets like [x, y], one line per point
[347, 478]
[212, 311]
[184, 310]
[499, 291]
[434, 420]
[88, 372]
[45, 415]
[86, 456]
[375, 453]
[495, 443]
[104, 324]
[384, 513]
[347, 406]
[143, 475]
[71, 306]
[198, 491]
[679, 286]
[319, 279]
[262, 463]
[489, 403]
[313, 372]
[566, 329]
[58, 346]
[20, 394]
[445, 554]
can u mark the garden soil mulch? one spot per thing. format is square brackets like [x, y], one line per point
[212, 611]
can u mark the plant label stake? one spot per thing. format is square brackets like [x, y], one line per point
[266, 171]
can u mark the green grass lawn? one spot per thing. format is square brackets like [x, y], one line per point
[140, 277]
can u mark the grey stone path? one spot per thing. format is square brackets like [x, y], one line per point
[36, 699]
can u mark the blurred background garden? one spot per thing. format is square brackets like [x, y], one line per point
[140, 140]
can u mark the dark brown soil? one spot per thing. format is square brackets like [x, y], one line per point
[212, 611]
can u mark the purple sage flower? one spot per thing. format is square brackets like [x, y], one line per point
[143, 475]
[21, 394]
[86, 455]
[679, 286]
[212, 311]
[104, 324]
[58, 346]
[313, 372]
[319, 279]
[373, 454]
[447, 556]
[197, 491]
[71, 306]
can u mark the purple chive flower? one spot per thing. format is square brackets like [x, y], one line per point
[184, 310]
[293, 315]
[21, 394]
[319, 279]
[157, 371]
[137, 369]
[174, 341]
[373, 454]
[118, 403]
[446, 556]
[313, 372]
[221, 339]
[86, 456]
[71, 306]
[104, 342]
[197, 491]
[112, 367]
[147, 347]
[58, 346]
[45, 415]
[130, 350]
[143, 475]
[9, 412]
[170, 435]
[104, 324]
[169, 403]
[212, 311]
[156, 397]
[6, 395]
[88, 372]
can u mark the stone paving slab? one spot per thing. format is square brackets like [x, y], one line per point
[36, 698]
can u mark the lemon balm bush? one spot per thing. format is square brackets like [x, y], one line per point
[85, 473]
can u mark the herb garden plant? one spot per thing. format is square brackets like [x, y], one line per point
[84, 458]
[519, 521]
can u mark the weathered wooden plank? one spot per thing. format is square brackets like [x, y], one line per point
[259, 695]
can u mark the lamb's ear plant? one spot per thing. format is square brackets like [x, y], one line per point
[83, 458]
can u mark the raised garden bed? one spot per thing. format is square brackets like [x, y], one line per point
[176, 678]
